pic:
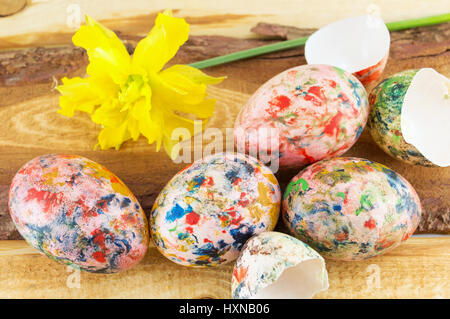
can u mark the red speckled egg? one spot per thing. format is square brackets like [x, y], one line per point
[77, 212]
[318, 111]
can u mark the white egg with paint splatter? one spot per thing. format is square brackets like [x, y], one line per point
[305, 114]
[208, 210]
[350, 208]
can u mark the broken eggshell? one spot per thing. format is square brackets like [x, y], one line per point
[274, 265]
[359, 45]
[317, 111]
[77, 212]
[409, 115]
[351, 208]
[207, 211]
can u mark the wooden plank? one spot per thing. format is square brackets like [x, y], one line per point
[8, 7]
[232, 17]
[416, 269]
[31, 126]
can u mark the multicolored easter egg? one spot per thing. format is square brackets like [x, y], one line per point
[274, 265]
[318, 112]
[350, 208]
[208, 210]
[77, 212]
[409, 115]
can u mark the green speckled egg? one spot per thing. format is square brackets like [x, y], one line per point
[386, 101]
[349, 208]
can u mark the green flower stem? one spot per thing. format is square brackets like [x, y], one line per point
[420, 22]
[289, 44]
[235, 56]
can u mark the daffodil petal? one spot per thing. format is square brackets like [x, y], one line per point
[108, 114]
[103, 86]
[161, 44]
[173, 121]
[203, 110]
[156, 125]
[107, 54]
[141, 109]
[146, 125]
[133, 128]
[167, 84]
[195, 92]
[76, 94]
[194, 74]
[161, 86]
[110, 137]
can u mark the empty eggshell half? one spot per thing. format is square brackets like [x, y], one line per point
[274, 265]
[359, 45]
[408, 117]
[425, 114]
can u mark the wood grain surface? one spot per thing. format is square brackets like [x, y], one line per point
[35, 52]
[416, 269]
[50, 22]
[31, 126]
[9, 7]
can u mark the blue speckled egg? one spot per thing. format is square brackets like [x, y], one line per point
[208, 210]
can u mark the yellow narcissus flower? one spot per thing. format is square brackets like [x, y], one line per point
[134, 95]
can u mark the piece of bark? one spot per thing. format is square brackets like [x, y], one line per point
[281, 32]
[31, 126]
[40, 65]
[9, 7]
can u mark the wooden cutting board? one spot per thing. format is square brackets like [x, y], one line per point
[416, 269]
[36, 52]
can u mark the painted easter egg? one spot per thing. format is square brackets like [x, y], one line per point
[317, 111]
[409, 115]
[274, 265]
[77, 212]
[350, 208]
[207, 211]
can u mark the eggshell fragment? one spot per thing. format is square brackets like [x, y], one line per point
[207, 211]
[274, 265]
[359, 45]
[408, 117]
[350, 208]
[77, 212]
[319, 112]
[425, 115]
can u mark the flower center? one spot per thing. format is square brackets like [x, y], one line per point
[131, 91]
